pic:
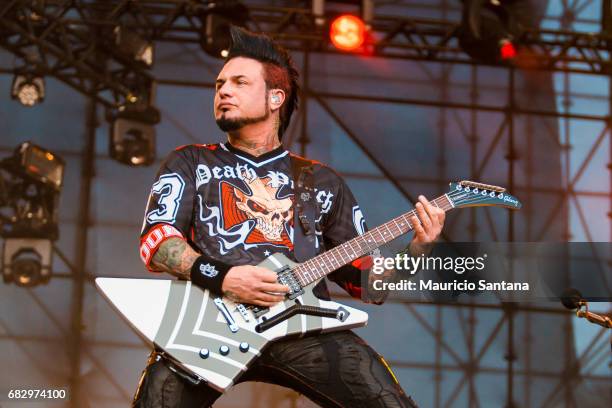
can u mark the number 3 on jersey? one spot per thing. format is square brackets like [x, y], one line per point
[169, 188]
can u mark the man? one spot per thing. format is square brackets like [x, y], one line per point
[230, 205]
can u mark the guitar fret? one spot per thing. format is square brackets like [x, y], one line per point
[381, 236]
[348, 246]
[397, 226]
[359, 242]
[388, 229]
[306, 272]
[300, 277]
[343, 246]
[327, 260]
[332, 252]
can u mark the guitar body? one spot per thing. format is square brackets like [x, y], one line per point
[204, 333]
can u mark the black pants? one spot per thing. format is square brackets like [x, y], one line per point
[336, 369]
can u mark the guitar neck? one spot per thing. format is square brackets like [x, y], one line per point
[327, 262]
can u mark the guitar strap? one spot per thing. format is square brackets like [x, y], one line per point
[304, 216]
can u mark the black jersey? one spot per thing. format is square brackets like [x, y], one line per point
[238, 208]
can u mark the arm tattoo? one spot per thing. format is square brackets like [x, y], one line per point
[176, 257]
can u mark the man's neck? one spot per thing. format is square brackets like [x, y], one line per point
[254, 141]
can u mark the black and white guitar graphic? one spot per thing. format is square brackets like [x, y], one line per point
[217, 339]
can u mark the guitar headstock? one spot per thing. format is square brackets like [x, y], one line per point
[472, 194]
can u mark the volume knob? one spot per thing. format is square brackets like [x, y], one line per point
[244, 347]
[224, 350]
[204, 353]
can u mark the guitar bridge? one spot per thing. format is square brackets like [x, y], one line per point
[286, 277]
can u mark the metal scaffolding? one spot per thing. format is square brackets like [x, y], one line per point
[58, 42]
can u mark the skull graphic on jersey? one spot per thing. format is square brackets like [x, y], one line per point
[261, 205]
[270, 213]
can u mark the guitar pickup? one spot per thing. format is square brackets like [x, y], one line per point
[287, 278]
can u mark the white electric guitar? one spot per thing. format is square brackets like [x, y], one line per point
[216, 339]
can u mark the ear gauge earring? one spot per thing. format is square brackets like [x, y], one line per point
[275, 99]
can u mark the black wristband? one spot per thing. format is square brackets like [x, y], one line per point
[208, 273]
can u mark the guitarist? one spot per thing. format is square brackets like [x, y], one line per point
[215, 210]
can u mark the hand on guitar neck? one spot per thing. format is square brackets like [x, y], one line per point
[427, 227]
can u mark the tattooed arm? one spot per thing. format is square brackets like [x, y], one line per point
[176, 257]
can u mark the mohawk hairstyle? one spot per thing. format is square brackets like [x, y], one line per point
[279, 69]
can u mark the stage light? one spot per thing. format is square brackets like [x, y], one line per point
[217, 17]
[132, 125]
[28, 89]
[491, 29]
[507, 50]
[347, 32]
[133, 143]
[40, 164]
[30, 184]
[134, 46]
[26, 262]
[132, 138]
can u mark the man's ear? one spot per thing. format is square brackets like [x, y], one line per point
[277, 98]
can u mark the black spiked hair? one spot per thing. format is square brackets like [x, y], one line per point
[261, 48]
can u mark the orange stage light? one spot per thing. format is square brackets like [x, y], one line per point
[347, 32]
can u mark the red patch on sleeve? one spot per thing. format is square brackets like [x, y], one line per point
[151, 241]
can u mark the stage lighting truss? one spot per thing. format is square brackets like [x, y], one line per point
[74, 44]
[28, 89]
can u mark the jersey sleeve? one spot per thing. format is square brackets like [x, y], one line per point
[170, 205]
[344, 222]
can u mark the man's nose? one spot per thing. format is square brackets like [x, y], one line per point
[225, 90]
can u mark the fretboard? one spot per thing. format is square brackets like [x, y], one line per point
[327, 262]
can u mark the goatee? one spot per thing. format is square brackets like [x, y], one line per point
[232, 124]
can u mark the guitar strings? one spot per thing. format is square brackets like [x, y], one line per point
[469, 199]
